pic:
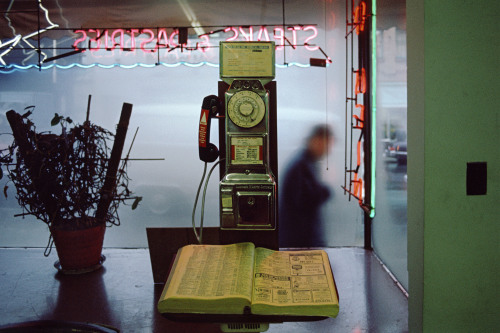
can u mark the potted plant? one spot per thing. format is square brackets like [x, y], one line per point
[73, 181]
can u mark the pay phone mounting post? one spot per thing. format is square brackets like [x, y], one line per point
[248, 188]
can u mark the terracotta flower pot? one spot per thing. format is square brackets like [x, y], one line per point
[79, 250]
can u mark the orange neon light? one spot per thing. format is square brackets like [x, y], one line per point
[358, 187]
[361, 118]
[360, 86]
[360, 17]
[359, 154]
[359, 192]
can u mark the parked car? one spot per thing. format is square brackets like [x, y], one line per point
[397, 148]
[400, 151]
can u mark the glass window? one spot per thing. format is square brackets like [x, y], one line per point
[166, 108]
[389, 225]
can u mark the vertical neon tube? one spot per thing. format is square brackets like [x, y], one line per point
[374, 105]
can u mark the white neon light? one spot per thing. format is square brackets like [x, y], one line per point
[14, 41]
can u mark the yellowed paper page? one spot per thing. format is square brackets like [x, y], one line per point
[210, 279]
[243, 59]
[294, 283]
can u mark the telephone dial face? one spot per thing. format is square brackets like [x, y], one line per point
[246, 109]
[246, 105]
[246, 126]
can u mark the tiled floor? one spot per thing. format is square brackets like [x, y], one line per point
[122, 294]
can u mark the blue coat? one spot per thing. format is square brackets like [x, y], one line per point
[301, 197]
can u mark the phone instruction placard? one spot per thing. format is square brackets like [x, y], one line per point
[246, 59]
[247, 150]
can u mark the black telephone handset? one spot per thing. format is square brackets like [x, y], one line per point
[211, 106]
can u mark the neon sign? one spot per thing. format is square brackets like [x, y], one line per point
[360, 17]
[360, 86]
[147, 47]
[10, 44]
[361, 120]
[150, 40]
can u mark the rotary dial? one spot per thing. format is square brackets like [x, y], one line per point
[246, 109]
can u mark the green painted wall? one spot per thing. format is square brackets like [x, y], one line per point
[458, 234]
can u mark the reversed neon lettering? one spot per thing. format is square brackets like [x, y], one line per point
[81, 39]
[279, 36]
[96, 40]
[294, 34]
[143, 39]
[148, 40]
[248, 36]
[263, 31]
[204, 44]
[235, 34]
[310, 38]
[172, 38]
[132, 38]
[113, 36]
[162, 35]
[106, 39]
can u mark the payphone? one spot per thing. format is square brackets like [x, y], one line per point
[248, 188]
[247, 136]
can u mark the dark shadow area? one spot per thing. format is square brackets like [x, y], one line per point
[56, 326]
[79, 296]
[123, 296]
